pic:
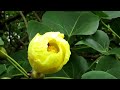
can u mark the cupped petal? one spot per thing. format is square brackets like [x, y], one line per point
[45, 61]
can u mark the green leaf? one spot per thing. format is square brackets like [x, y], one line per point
[2, 68]
[99, 41]
[115, 72]
[21, 57]
[100, 13]
[112, 14]
[11, 70]
[73, 23]
[15, 64]
[107, 62]
[60, 73]
[76, 66]
[69, 23]
[115, 51]
[1, 41]
[98, 75]
[35, 27]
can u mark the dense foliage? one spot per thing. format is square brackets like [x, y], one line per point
[94, 39]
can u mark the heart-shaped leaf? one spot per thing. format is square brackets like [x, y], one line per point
[107, 62]
[115, 72]
[100, 13]
[115, 51]
[69, 23]
[99, 41]
[97, 75]
[35, 27]
[76, 66]
[112, 14]
[73, 23]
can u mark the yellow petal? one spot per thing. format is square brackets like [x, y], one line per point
[49, 52]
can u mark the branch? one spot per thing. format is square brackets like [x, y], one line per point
[90, 56]
[110, 29]
[36, 15]
[26, 24]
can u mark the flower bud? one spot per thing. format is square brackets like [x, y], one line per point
[48, 53]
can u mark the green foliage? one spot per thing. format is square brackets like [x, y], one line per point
[100, 13]
[99, 41]
[2, 68]
[112, 14]
[69, 23]
[76, 66]
[107, 62]
[94, 38]
[21, 57]
[97, 75]
[107, 14]
[115, 72]
[115, 51]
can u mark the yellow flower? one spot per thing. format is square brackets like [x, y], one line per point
[48, 53]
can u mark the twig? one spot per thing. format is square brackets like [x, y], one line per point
[36, 15]
[20, 41]
[94, 63]
[110, 29]
[91, 56]
[26, 24]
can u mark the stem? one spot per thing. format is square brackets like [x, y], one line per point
[36, 15]
[94, 63]
[24, 18]
[17, 75]
[16, 66]
[110, 29]
[14, 63]
[57, 78]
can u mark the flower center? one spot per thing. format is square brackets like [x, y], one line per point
[53, 47]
